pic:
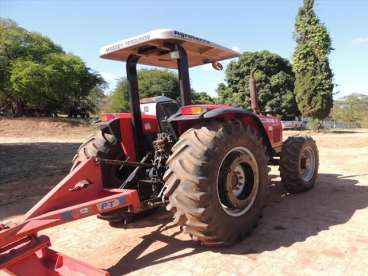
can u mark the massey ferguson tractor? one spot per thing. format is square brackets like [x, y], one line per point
[208, 164]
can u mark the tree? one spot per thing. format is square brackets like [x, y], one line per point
[71, 81]
[59, 84]
[275, 83]
[201, 98]
[313, 75]
[351, 109]
[96, 99]
[18, 44]
[29, 82]
[118, 101]
[36, 74]
[151, 82]
[155, 82]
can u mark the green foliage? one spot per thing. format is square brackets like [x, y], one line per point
[201, 98]
[29, 82]
[17, 42]
[316, 124]
[72, 81]
[36, 74]
[351, 109]
[156, 82]
[96, 99]
[274, 78]
[151, 83]
[313, 75]
[118, 101]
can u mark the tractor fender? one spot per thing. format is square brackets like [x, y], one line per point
[112, 126]
[239, 113]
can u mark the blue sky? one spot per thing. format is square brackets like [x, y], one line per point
[82, 27]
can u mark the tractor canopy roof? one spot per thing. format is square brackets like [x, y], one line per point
[155, 48]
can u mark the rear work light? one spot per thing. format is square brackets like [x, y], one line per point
[104, 117]
[193, 110]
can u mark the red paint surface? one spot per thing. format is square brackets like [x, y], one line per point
[149, 125]
[36, 258]
[272, 126]
[61, 205]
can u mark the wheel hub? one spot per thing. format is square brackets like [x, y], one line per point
[307, 164]
[238, 181]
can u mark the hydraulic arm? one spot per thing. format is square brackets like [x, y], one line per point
[80, 194]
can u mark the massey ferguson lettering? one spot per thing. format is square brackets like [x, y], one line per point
[127, 43]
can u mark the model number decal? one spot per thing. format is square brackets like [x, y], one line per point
[108, 204]
[84, 211]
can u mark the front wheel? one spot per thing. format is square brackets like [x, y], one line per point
[102, 145]
[216, 181]
[299, 163]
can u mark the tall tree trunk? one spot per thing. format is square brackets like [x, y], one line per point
[18, 108]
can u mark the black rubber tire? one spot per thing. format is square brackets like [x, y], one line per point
[191, 181]
[102, 145]
[290, 159]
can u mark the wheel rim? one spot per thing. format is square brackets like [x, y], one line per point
[237, 181]
[307, 164]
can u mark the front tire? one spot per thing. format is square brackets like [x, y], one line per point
[102, 145]
[216, 181]
[299, 162]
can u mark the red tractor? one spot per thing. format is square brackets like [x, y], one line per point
[208, 164]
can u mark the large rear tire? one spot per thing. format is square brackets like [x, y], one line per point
[216, 181]
[299, 163]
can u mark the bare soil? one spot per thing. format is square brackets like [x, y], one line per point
[323, 231]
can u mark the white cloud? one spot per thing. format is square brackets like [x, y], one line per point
[360, 41]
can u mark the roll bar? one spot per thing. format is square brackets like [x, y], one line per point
[133, 91]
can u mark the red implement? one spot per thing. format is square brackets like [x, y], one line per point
[78, 195]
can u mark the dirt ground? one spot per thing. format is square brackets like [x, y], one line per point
[323, 231]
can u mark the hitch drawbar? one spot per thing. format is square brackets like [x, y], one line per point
[80, 194]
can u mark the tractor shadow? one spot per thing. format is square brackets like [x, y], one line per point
[294, 218]
[166, 233]
[287, 219]
[30, 160]
[28, 171]
[344, 131]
